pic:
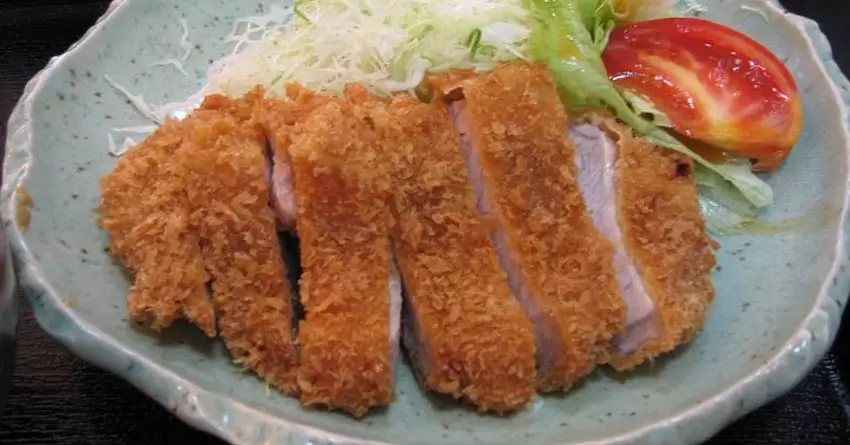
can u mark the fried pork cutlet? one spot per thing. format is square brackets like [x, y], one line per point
[342, 191]
[147, 214]
[466, 334]
[226, 156]
[559, 266]
[190, 205]
[363, 102]
[662, 236]
[278, 116]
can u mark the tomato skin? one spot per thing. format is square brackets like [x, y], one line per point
[715, 84]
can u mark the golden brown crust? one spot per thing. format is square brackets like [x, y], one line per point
[277, 116]
[519, 128]
[481, 346]
[343, 225]
[664, 233]
[226, 157]
[146, 213]
[190, 204]
[447, 87]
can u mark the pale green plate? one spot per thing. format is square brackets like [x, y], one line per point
[779, 298]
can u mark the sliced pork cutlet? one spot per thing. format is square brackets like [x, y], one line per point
[596, 160]
[363, 104]
[146, 212]
[342, 190]
[278, 116]
[559, 265]
[465, 333]
[649, 196]
[225, 156]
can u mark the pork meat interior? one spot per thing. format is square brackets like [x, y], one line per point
[645, 201]
[596, 157]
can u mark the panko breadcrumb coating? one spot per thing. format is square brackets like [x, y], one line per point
[240, 245]
[342, 185]
[190, 205]
[147, 214]
[664, 232]
[472, 339]
[559, 264]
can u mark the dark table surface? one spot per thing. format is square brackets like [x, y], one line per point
[57, 398]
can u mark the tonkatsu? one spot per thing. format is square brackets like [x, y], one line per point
[523, 170]
[510, 247]
[466, 335]
[342, 190]
[188, 209]
[645, 201]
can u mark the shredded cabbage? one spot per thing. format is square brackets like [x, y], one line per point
[386, 46]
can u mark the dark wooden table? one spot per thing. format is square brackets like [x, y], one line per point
[59, 399]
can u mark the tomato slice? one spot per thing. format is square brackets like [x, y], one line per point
[715, 84]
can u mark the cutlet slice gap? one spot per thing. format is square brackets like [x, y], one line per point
[146, 213]
[664, 234]
[559, 266]
[466, 334]
[278, 116]
[343, 224]
[225, 155]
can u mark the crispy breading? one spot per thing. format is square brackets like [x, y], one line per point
[146, 213]
[225, 155]
[664, 232]
[343, 223]
[190, 205]
[447, 87]
[479, 344]
[278, 115]
[518, 126]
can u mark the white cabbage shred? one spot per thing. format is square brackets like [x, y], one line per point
[386, 46]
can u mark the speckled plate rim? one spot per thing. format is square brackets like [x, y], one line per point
[198, 407]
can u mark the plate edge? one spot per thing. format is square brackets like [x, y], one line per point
[190, 403]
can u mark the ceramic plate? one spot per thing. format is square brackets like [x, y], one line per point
[779, 297]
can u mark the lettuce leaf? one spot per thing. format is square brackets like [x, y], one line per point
[719, 219]
[568, 37]
[646, 109]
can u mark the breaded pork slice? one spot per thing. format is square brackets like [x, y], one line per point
[225, 155]
[279, 118]
[559, 265]
[146, 212]
[596, 160]
[467, 335]
[342, 191]
[664, 234]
